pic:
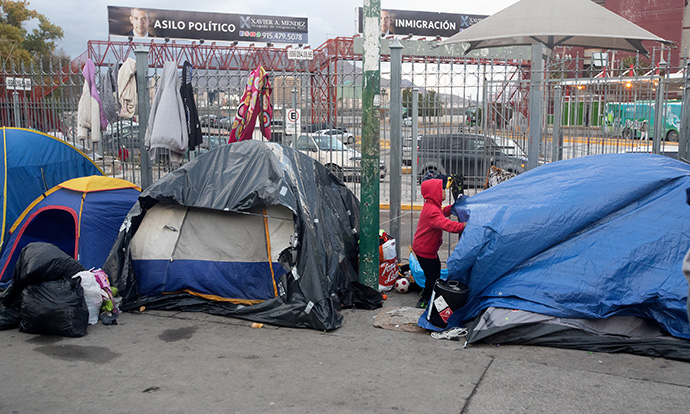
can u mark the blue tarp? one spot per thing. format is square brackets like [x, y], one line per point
[590, 238]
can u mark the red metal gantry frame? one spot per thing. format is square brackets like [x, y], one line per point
[323, 69]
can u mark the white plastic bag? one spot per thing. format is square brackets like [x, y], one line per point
[92, 294]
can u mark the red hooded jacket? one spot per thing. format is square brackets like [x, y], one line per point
[432, 221]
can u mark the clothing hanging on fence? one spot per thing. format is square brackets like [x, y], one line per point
[167, 126]
[191, 113]
[127, 88]
[90, 115]
[255, 103]
[108, 92]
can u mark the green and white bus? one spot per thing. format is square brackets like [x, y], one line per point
[626, 118]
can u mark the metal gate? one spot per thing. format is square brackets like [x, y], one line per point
[471, 115]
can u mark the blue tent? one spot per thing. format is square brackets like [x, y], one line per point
[81, 216]
[589, 238]
[32, 163]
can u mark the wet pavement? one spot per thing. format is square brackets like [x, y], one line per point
[176, 362]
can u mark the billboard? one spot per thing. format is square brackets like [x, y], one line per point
[417, 23]
[175, 24]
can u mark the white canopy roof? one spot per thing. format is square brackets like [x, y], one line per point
[579, 23]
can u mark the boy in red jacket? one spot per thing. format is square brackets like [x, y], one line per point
[429, 235]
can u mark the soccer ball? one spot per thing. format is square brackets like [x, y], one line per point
[402, 285]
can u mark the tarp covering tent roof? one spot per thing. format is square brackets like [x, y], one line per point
[578, 23]
[32, 163]
[252, 230]
[81, 216]
[587, 238]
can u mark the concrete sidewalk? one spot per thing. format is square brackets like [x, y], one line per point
[174, 362]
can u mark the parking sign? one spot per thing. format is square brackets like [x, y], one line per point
[292, 120]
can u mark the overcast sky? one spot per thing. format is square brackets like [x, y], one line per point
[84, 20]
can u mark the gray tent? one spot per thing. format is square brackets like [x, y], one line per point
[578, 23]
[613, 334]
[251, 230]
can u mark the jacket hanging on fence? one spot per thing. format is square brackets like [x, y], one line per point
[167, 126]
[191, 113]
[108, 91]
[255, 103]
[90, 115]
[127, 88]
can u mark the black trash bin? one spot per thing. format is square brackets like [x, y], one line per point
[446, 298]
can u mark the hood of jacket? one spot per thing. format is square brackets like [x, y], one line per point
[432, 190]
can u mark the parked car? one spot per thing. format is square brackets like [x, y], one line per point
[342, 161]
[470, 155]
[225, 123]
[121, 126]
[407, 122]
[317, 126]
[407, 149]
[127, 136]
[340, 133]
[211, 142]
[209, 120]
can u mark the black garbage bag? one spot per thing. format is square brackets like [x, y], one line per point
[39, 262]
[54, 308]
[361, 296]
[9, 316]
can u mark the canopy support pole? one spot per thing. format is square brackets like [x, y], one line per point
[535, 105]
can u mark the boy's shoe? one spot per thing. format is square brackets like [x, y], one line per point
[454, 334]
[422, 303]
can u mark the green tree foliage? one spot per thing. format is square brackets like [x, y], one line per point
[432, 106]
[429, 104]
[19, 45]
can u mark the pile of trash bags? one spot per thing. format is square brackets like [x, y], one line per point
[52, 293]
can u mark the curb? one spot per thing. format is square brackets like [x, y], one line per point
[415, 207]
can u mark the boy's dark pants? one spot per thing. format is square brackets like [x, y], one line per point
[432, 271]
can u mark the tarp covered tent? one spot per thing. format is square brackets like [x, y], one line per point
[81, 216]
[251, 230]
[32, 163]
[591, 239]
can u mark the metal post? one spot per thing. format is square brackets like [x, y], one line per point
[17, 116]
[415, 132]
[684, 136]
[143, 108]
[660, 106]
[535, 106]
[557, 139]
[371, 102]
[396, 140]
[297, 126]
[484, 127]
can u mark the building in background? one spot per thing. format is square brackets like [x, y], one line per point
[669, 19]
